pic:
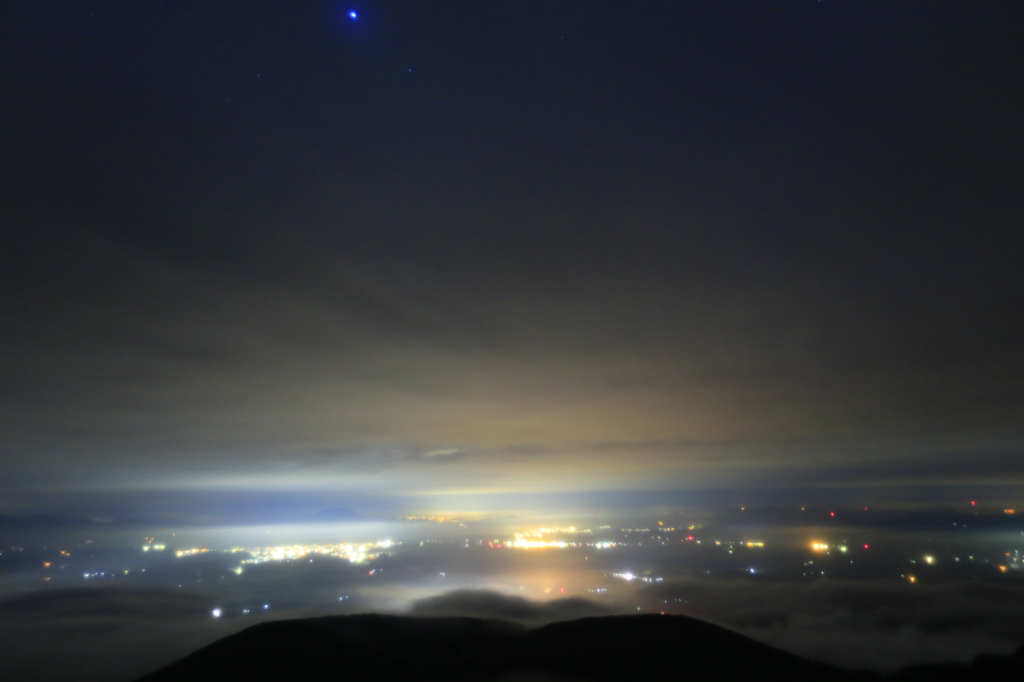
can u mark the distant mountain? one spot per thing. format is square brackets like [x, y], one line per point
[40, 521]
[339, 514]
[611, 648]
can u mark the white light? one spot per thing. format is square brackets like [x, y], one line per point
[215, 613]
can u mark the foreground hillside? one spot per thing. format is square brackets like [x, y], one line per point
[645, 647]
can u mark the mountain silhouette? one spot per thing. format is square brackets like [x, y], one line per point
[608, 648]
[339, 514]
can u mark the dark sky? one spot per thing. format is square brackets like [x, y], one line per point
[453, 247]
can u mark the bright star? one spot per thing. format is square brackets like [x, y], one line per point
[353, 15]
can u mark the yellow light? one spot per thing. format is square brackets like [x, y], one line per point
[929, 559]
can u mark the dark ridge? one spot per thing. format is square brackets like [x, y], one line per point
[339, 514]
[611, 648]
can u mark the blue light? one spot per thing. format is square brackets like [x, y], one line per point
[353, 15]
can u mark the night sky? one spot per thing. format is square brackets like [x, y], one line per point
[457, 247]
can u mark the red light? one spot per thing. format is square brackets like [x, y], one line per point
[973, 503]
[561, 590]
[831, 513]
[690, 538]
[866, 547]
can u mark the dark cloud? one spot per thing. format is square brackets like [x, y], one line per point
[100, 634]
[89, 603]
[250, 249]
[881, 625]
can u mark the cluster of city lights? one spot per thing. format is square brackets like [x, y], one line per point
[825, 547]
[355, 553]
[630, 577]
[539, 538]
[191, 552]
[523, 543]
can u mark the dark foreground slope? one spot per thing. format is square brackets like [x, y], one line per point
[394, 647]
[613, 648]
